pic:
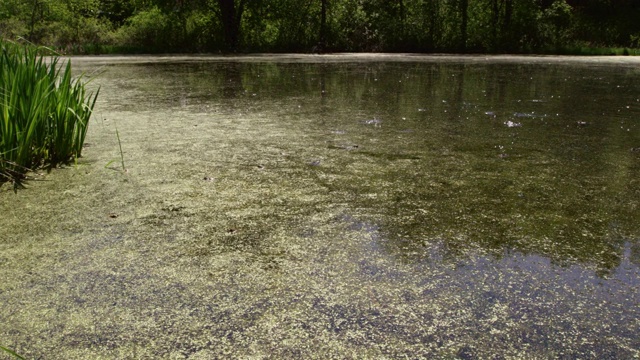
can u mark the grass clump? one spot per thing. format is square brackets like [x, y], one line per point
[44, 111]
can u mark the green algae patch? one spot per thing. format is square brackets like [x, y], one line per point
[263, 215]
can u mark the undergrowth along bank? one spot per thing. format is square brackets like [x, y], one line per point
[44, 111]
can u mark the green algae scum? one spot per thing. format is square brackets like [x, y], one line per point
[336, 207]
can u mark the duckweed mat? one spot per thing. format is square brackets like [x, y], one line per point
[321, 208]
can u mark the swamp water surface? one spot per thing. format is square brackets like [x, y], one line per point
[336, 207]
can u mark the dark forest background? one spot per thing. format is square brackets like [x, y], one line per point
[165, 26]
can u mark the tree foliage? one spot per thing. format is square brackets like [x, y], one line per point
[323, 25]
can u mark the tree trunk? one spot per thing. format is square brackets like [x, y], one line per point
[506, 25]
[495, 17]
[322, 43]
[433, 11]
[403, 32]
[464, 10]
[33, 21]
[230, 16]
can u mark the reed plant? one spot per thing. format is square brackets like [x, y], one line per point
[11, 352]
[124, 169]
[44, 111]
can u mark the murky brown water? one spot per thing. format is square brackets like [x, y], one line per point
[337, 207]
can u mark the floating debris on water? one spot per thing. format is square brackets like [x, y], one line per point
[347, 147]
[520, 114]
[375, 122]
[512, 124]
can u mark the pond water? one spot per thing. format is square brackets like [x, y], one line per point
[337, 207]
